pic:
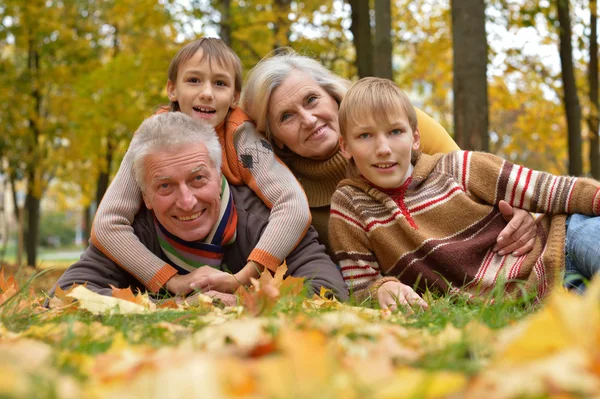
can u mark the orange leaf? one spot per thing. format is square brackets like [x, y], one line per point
[292, 285]
[7, 284]
[126, 294]
[279, 273]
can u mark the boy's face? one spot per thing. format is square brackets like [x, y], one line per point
[204, 91]
[381, 150]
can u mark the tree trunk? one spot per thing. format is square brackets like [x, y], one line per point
[593, 122]
[87, 225]
[32, 209]
[383, 40]
[32, 200]
[225, 25]
[469, 45]
[103, 177]
[571, 100]
[19, 218]
[281, 29]
[362, 38]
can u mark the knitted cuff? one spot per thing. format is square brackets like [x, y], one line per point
[374, 286]
[161, 278]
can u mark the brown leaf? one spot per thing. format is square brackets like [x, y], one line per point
[7, 284]
[127, 295]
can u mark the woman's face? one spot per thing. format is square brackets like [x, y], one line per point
[304, 117]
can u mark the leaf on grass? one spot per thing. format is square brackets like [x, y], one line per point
[414, 383]
[127, 295]
[7, 284]
[61, 297]
[241, 336]
[568, 371]
[100, 304]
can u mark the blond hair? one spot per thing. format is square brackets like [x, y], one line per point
[376, 98]
[271, 72]
[213, 48]
[170, 131]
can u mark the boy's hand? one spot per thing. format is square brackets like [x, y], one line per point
[393, 293]
[518, 236]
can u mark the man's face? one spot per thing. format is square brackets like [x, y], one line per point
[183, 189]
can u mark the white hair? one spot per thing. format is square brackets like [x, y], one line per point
[167, 132]
[269, 74]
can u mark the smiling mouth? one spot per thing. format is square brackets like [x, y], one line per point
[207, 111]
[385, 165]
[190, 217]
[317, 132]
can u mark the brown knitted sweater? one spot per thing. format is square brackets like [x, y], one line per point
[438, 231]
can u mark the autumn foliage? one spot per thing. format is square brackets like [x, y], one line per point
[277, 343]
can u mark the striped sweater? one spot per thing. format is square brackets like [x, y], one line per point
[440, 230]
[248, 159]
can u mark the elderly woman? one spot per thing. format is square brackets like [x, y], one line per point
[294, 101]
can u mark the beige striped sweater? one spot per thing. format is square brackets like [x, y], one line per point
[248, 159]
[439, 233]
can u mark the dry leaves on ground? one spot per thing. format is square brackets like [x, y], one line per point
[320, 348]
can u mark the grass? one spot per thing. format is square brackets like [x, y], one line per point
[444, 336]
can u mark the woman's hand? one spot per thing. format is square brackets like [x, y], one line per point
[394, 293]
[518, 236]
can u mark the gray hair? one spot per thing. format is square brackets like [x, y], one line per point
[169, 131]
[269, 74]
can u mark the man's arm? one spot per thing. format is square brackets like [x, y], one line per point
[98, 272]
[309, 260]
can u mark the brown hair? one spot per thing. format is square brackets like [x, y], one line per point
[374, 98]
[213, 48]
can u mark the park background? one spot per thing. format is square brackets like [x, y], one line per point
[516, 77]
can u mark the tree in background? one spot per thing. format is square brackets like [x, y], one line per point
[470, 78]
[382, 58]
[45, 46]
[570, 97]
[362, 37]
[593, 122]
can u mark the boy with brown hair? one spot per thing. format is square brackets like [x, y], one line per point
[406, 220]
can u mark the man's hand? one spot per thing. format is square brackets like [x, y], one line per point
[393, 293]
[518, 236]
[180, 284]
[223, 282]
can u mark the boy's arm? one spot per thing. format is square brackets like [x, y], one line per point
[352, 250]
[434, 138]
[113, 235]
[277, 187]
[493, 179]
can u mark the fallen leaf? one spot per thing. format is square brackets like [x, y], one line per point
[101, 304]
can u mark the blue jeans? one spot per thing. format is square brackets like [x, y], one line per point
[582, 250]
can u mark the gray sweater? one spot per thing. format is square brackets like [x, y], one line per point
[307, 260]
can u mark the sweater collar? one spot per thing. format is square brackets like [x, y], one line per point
[319, 178]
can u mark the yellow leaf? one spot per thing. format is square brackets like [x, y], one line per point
[414, 383]
[100, 304]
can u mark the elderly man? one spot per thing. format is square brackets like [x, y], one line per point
[194, 220]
